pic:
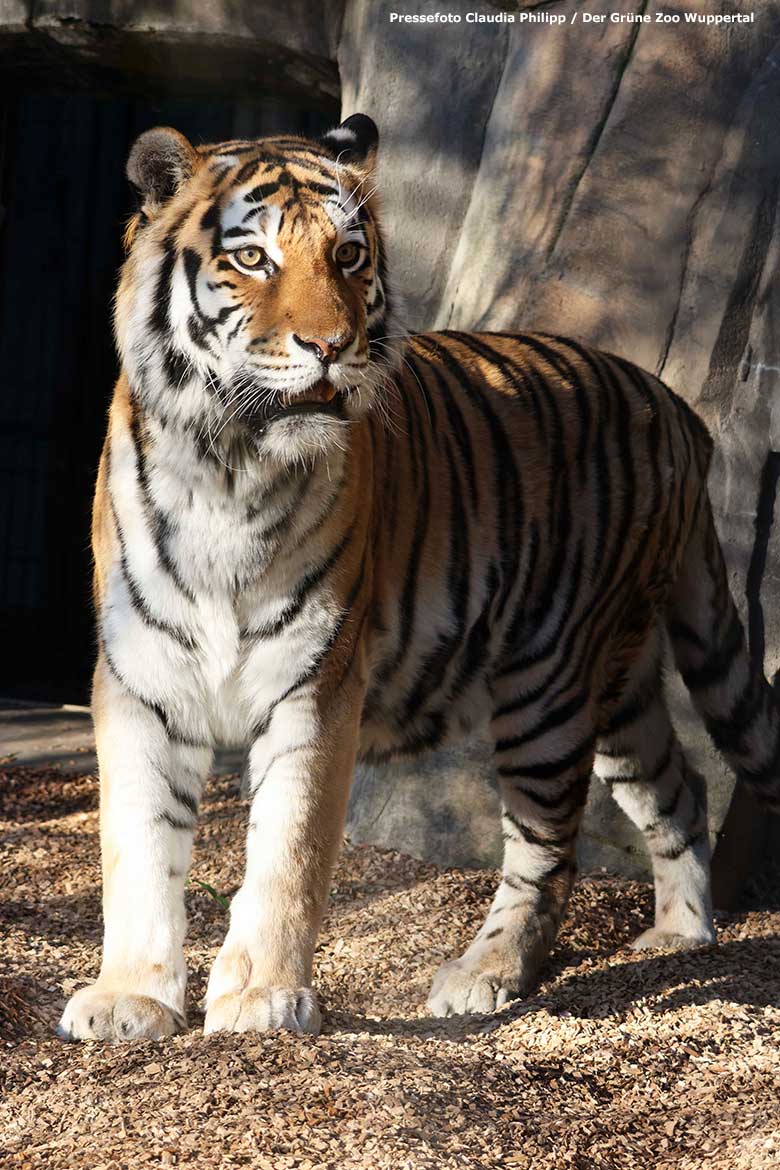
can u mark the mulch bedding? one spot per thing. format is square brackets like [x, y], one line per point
[620, 1060]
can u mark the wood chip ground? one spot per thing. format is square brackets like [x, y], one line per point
[619, 1061]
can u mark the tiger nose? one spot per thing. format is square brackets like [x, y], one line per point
[327, 349]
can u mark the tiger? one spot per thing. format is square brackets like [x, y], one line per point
[322, 539]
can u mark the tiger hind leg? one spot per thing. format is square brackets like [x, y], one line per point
[544, 768]
[740, 708]
[640, 759]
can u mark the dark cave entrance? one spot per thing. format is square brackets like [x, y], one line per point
[63, 203]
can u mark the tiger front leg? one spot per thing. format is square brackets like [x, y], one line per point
[543, 790]
[150, 786]
[300, 772]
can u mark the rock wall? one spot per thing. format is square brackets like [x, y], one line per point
[618, 182]
[257, 47]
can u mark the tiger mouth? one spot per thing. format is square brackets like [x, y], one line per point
[321, 398]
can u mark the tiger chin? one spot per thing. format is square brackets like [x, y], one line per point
[322, 541]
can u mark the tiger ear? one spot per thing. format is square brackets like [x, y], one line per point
[159, 162]
[355, 141]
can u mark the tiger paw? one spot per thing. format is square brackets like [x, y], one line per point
[97, 1014]
[463, 988]
[658, 939]
[264, 1009]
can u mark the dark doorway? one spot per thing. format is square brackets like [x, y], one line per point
[64, 200]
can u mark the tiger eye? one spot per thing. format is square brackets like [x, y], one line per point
[250, 257]
[347, 253]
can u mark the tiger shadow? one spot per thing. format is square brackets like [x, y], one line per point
[744, 972]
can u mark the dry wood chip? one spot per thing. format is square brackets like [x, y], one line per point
[620, 1061]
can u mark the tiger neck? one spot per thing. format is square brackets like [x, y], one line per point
[186, 454]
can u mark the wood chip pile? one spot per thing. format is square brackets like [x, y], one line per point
[619, 1061]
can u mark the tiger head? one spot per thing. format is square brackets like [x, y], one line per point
[254, 297]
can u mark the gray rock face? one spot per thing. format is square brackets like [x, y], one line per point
[262, 47]
[625, 192]
[14, 15]
[431, 94]
[444, 809]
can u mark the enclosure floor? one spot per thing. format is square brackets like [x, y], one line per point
[620, 1060]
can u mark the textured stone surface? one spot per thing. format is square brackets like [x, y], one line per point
[431, 92]
[625, 192]
[14, 14]
[262, 47]
[298, 25]
[445, 808]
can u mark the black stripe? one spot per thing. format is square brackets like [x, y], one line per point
[255, 785]
[409, 592]
[549, 769]
[159, 320]
[430, 405]
[176, 367]
[302, 591]
[523, 380]
[278, 528]
[261, 192]
[670, 808]
[636, 707]
[552, 644]
[423, 739]
[623, 432]
[680, 631]
[174, 822]
[262, 725]
[516, 629]
[210, 218]
[638, 380]
[516, 881]
[636, 777]
[458, 426]
[553, 719]
[552, 803]
[663, 762]
[432, 672]
[246, 169]
[173, 733]
[183, 798]
[766, 774]
[477, 648]
[558, 498]
[729, 731]
[158, 522]
[320, 519]
[533, 838]
[137, 599]
[569, 374]
[677, 851]
[508, 493]
[614, 595]
[583, 401]
[719, 663]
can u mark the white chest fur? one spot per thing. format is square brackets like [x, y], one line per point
[209, 560]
